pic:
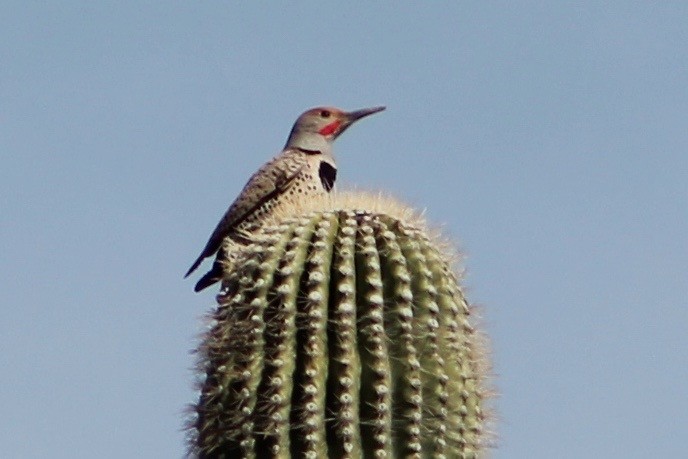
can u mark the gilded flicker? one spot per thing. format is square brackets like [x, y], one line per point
[305, 167]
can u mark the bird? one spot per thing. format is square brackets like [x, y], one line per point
[305, 167]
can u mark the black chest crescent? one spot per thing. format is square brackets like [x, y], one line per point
[328, 174]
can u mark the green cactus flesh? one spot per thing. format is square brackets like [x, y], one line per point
[340, 334]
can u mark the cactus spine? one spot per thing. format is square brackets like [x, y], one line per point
[343, 334]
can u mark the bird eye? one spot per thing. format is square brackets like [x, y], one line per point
[325, 113]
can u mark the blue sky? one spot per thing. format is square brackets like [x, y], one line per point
[549, 139]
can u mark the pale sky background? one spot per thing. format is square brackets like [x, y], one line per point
[549, 139]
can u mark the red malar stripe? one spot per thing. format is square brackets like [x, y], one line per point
[330, 128]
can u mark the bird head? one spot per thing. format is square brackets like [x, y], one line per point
[317, 128]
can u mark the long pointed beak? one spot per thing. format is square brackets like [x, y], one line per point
[351, 117]
[358, 114]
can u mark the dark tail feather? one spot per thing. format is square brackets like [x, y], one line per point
[194, 266]
[212, 276]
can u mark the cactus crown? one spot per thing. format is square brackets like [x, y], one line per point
[341, 331]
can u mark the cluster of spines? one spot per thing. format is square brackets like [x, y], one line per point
[341, 334]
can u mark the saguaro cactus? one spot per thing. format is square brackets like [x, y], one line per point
[341, 332]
